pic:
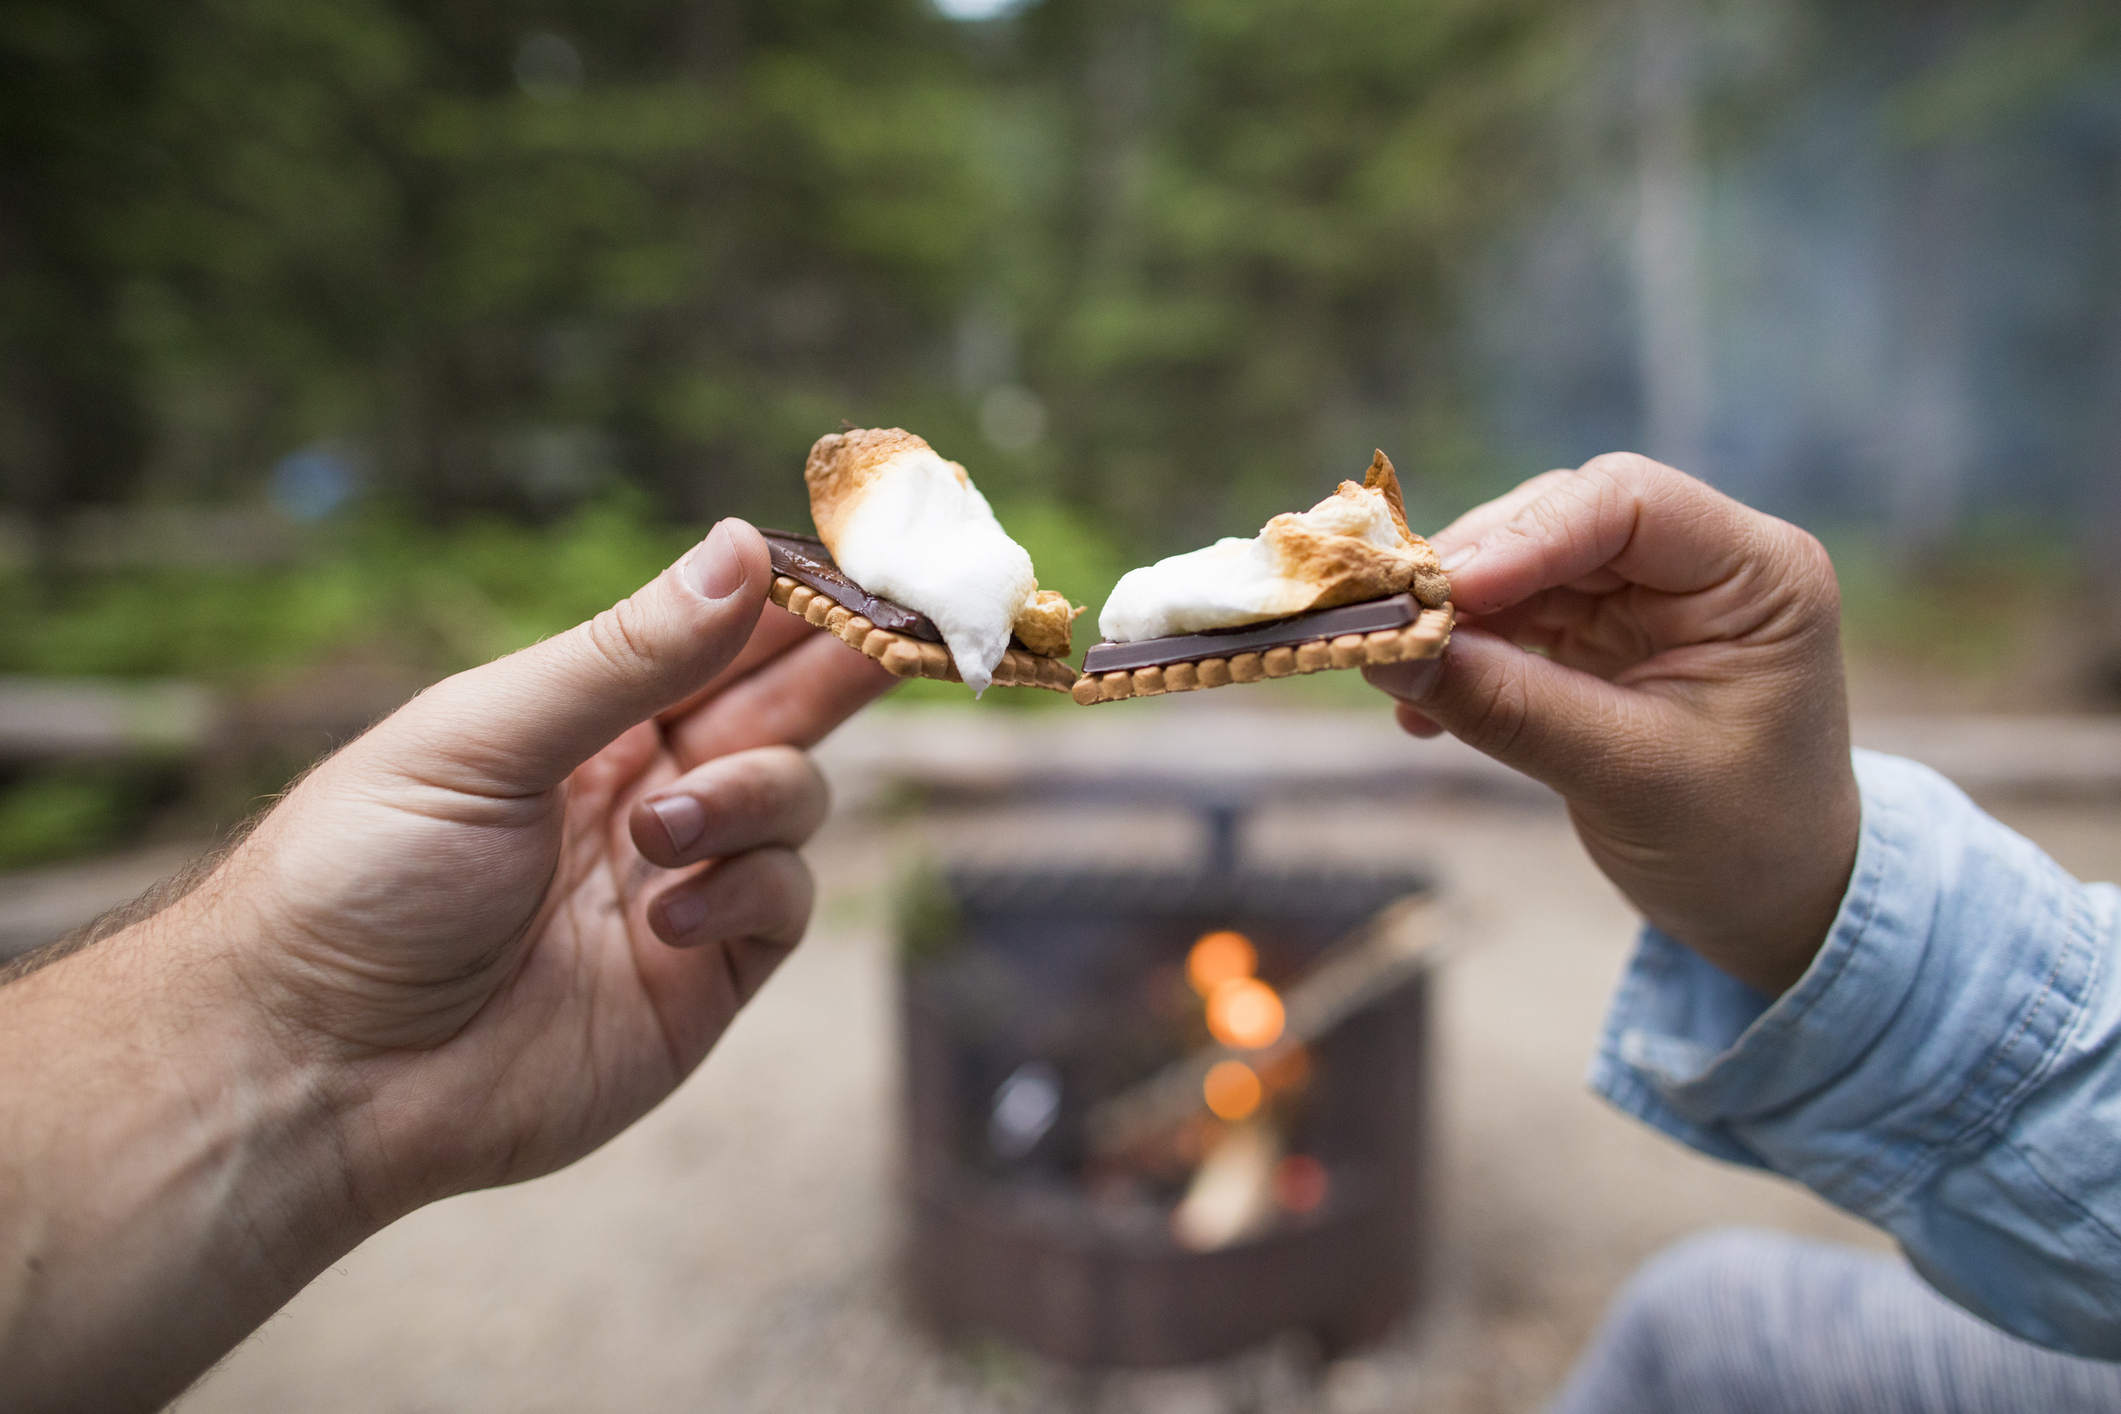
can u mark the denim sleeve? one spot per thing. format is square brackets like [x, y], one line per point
[1948, 1068]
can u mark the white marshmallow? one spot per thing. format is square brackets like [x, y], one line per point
[922, 537]
[1237, 581]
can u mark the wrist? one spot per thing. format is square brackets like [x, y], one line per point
[1760, 906]
[175, 1170]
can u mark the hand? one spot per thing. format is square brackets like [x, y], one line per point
[467, 911]
[465, 950]
[1685, 698]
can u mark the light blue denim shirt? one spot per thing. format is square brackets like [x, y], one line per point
[1948, 1068]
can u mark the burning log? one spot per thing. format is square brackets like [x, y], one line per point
[1232, 1193]
[1374, 961]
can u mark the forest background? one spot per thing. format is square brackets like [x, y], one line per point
[346, 342]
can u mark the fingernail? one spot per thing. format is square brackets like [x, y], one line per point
[684, 819]
[1461, 557]
[713, 568]
[682, 913]
[1409, 682]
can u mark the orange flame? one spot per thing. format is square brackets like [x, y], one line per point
[1245, 1013]
[1231, 1090]
[1218, 958]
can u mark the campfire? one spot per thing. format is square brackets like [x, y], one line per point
[1158, 1117]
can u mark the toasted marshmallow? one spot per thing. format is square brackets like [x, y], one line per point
[910, 527]
[1352, 546]
[1046, 625]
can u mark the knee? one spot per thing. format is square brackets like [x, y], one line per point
[1708, 1266]
[1680, 1335]
[1710, 1285]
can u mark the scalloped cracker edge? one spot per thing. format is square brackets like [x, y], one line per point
[1426, 637]
[910, 657]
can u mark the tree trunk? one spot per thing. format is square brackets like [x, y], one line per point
[1672, 342]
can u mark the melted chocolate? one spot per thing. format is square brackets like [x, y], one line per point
[1368, 617]
[804, 559]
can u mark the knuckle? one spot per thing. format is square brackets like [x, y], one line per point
[620, 636]
[1623, 466]
[1496, 715]
[1812, 560]
[1811, 573]
[785, 891]
[744, 786]
[768, 782]
[789, 770]
[1638, 478]
[764, 893]
[1576, 523]
[772, 881]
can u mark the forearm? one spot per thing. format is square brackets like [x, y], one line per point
[1949, 1068]
[169, 1173]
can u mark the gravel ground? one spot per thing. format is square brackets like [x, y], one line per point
[739, 1249]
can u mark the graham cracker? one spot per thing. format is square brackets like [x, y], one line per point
[1426, 637]
[911, 657]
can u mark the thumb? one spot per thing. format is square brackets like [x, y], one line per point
[521, 724]
[1564, 728]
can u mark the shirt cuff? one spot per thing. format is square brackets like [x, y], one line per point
[1896, 1042]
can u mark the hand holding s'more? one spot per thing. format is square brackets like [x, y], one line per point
[1346, 584]
[1669, 661]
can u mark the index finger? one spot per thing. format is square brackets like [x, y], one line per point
[794, 698]
[1625, 515]
[773, 635]
[1492, 515]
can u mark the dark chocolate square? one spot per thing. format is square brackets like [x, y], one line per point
[804, 559]
[1396, 611]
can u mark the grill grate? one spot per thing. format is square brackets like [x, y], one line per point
[1044, 999]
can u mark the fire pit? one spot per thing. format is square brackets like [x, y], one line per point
[1158, 1117]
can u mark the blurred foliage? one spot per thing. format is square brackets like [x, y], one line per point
[238, 226]
[509, 256]
[552, 277]
[2006, 60]
[424, 602]
[430, 601]
[58, 811]
[1969, 613]
[925, 914]
[405, 602]
[1249, 227]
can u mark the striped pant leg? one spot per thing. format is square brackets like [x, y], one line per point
[1750, 1322]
